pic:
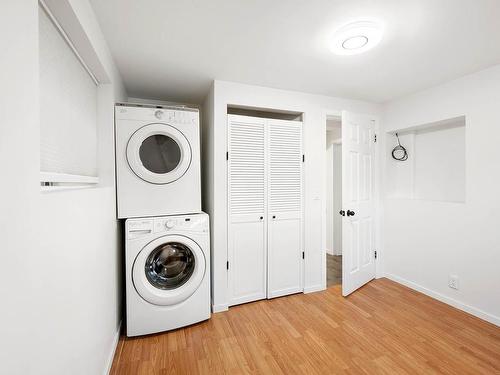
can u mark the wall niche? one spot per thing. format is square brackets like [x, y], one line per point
[435, 168]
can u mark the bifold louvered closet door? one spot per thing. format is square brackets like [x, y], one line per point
[264, 208]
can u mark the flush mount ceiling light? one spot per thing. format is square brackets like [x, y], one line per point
[356, 37]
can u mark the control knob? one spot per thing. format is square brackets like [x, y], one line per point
[169, 224]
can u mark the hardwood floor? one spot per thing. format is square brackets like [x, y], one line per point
[333, 270]
[384, 328]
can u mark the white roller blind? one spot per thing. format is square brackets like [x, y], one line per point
[68, 106]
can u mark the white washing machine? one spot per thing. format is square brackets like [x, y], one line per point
[167, 272]
[157, 160]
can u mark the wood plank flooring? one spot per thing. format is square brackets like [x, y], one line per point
[384, 328]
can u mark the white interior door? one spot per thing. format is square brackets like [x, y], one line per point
[247, 258]
[358, 201]
[284, 207]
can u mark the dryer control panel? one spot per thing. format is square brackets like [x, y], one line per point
[172, 115]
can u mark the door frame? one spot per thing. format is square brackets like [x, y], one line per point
[378, 215]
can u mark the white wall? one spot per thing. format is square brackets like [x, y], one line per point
[19, 188]
[314, 108]
[207, 170]
[425, 241]
[337, 198]
[329, 195]
[333, 196]
[61, 257]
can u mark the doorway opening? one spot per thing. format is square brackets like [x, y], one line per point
[333, 201]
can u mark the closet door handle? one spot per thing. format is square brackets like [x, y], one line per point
[274, 216]
[342, 213]
[262, 217]
[350, 213]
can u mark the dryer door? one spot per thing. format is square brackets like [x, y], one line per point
[168, 270]
[158, 153]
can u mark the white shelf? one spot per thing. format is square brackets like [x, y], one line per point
[50, 181]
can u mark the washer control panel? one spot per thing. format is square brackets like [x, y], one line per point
[136, 228]
[139, 227]
[192, 223]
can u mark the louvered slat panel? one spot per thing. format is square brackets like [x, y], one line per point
[285, 167]
[246, 167]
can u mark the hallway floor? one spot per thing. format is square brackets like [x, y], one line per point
[333, 270]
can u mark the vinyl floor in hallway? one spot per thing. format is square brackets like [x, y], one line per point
[333, 270]
[383, 328]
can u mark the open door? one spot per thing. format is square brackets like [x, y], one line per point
[358, 201]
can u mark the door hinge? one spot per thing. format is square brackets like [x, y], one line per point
[227, 265]
[375, 254]
[303, 158]
[375, 138]
[227, 155]
[303, 255]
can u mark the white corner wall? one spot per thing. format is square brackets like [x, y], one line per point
[314, 108]
[61, 257]
[426, 241]
[19, 188]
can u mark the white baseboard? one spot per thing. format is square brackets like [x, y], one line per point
[314, 288]
[114, 345]
[220, 308]
[449, 301]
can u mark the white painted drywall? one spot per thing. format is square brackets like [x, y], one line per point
[19, 188]
[440, 164]
[337, 198]
[61, 256]
[333, 196]
[425, 241]
[314, 108]
[207, 170]
[329, 195]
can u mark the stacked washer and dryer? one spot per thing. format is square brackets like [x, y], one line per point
[167, 247]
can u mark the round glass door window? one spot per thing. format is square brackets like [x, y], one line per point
[158, 153]
[170, 265]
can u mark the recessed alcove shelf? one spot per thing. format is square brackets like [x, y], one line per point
[435, 169]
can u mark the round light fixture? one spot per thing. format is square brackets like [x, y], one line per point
[356, 37]
[355, 42]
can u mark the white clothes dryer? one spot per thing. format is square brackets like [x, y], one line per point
[157, 160]
[167, 272]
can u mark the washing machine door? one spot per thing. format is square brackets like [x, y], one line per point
[159, 153]
[168, 270]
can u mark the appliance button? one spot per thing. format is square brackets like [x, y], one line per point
[158, 114]
[169, 224]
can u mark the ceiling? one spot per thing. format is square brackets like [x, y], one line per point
[173, 49]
